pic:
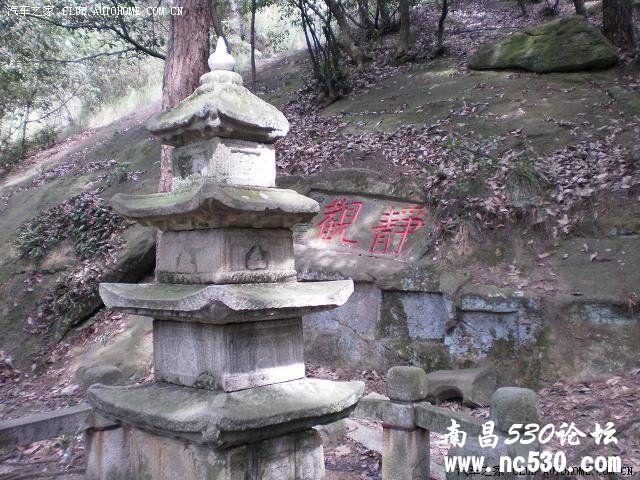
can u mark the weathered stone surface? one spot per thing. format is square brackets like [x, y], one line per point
[417, 315]
[474, 385]
[489, 315]
[225, 161]
[359, 315]
[324, 264]
[332, 434]
[104, 374]
[226, 255]
[357, 181]
[368, 435]
[355, 224]
[220, 304]
[510, 405]
[228, 357]
[437, 419]
[220, 107]
[565, 45]
[371, 406]
[131, 351]
[347, 351]
[40, 426]
[405, 455]
[429, 355]
[208, 205]
[293, 456]
[399, 415]
[227, 419]
[406, 383]
[107, 454]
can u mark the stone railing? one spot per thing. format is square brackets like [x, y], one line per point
[45, 425]
[408, 419]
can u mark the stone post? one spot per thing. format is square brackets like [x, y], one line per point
[509, 406]
[230, 399]
[106, 449]
[405, 453]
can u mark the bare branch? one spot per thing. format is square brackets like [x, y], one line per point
[88, 57]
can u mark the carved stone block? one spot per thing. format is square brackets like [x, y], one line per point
[294, 456]
[228, 357]
[226, 255]
[226, 161]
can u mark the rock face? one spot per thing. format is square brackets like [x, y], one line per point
[565, 45]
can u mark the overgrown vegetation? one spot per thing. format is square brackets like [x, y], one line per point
[84, 219]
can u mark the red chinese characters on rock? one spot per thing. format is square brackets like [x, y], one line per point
[338, 216]
[396, 224]
[390, 234]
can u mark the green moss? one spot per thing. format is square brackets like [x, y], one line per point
[526, 365]
[563, 45]
[493, 254]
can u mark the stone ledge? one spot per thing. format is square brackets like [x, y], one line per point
[222, 304]
[227, 419]
[207, 205]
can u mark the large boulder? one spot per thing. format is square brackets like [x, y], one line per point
[568, 44]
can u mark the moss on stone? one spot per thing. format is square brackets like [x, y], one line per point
[565, 45]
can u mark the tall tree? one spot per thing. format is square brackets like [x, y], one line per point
[235, 19]
[346, 37]
[254, 7]
[443, 16]
[186, 61]
[579, 6]
[217, 23]
[405, 20]
[617, 22]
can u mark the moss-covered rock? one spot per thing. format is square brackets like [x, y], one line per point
[565, 45]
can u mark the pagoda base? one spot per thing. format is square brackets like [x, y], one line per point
[133, 454]
[224, 420]
[172, 432]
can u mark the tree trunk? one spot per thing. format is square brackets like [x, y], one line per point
[385, 25]
[186, 61]
[579, 6]
[443, 17]
[347, 42]
[215, 21]
[235, 21]
[253, 45]
[405, 20]
[523, 8]
[617, 22]
[365, 18]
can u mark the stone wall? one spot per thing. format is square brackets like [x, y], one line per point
[405, 311]
[378, 234]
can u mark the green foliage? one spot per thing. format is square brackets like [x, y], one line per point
[84, 219]
[51, 67]
[525, 177]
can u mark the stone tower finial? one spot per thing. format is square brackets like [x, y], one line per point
[221, 59]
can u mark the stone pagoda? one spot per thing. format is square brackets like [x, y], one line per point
[230, 399]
